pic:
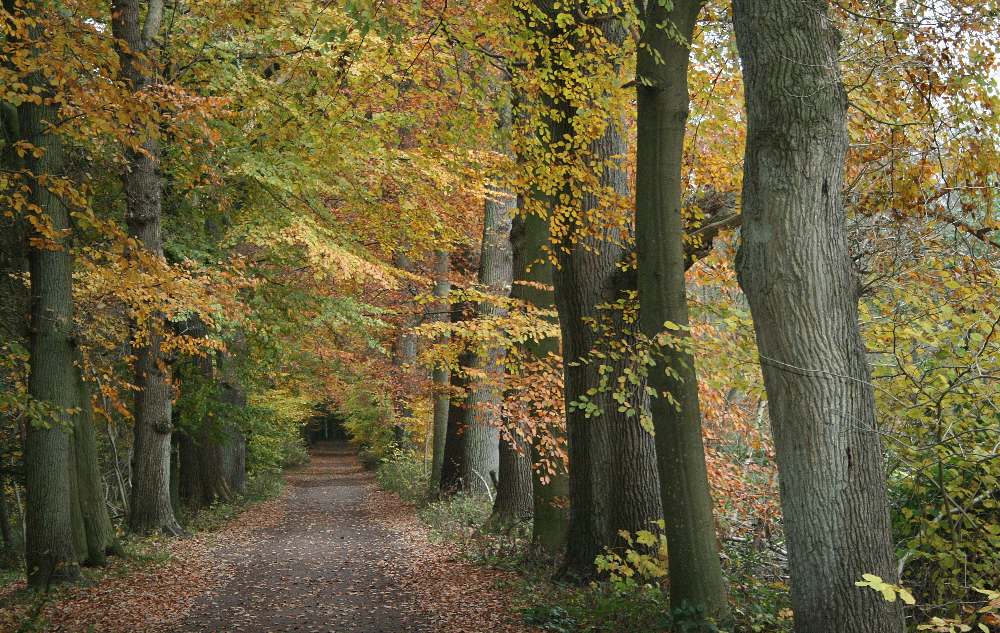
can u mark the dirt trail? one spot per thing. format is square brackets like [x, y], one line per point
[322, 568]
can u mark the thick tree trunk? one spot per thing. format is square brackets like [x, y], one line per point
[513, 504]
[795, 267]
[532, 280]
[441, 377]
[49, 549]
[613, 481]
[149, 508]
[694, 566]
[482, 436]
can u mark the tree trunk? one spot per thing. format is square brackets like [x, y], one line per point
[454, 450]
[513, 504]
[14, 296]
[190, 488]
[100, 536]
[532, 278]
[441, 377]
[49, 549]
[149, 508]
[404, 349]
[613, 481]
[5, 532]
[233, 441]
[482, 436]
[694, 566]
[795, 267]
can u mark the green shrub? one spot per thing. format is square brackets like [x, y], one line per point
[406, 474]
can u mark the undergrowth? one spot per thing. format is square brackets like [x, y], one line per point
[546, 602]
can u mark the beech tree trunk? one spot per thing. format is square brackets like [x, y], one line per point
[795, 268]
[50, 557]
[149, 507]
[482, 437]
[694, 566]
[404, 349]
[529, 234]
[441, 377]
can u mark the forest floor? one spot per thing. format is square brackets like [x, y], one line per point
[333, 554]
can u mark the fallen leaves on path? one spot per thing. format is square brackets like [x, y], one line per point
[461, 597]
[131, 597]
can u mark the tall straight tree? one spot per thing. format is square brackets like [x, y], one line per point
[149, 506]
[613, 480]
[482, 436]
[795, 267]
[662, 89]
[532, 284]
[50, 555]
[441, 375]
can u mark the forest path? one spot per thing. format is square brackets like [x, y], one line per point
[323, 567]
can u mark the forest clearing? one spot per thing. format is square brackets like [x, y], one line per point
[462, 316]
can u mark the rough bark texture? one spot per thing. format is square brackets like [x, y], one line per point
[694, 566]
[441, 376]
[513, 504]
[613, 481]
[149, 508]
[49, 549]
[529, 234]
[795, 268]
[481, 444]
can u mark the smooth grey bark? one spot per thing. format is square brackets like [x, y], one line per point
[150, 508]
[441, 375]
[481, 421]
[795, 268]
[50, 556]
[694, 566]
